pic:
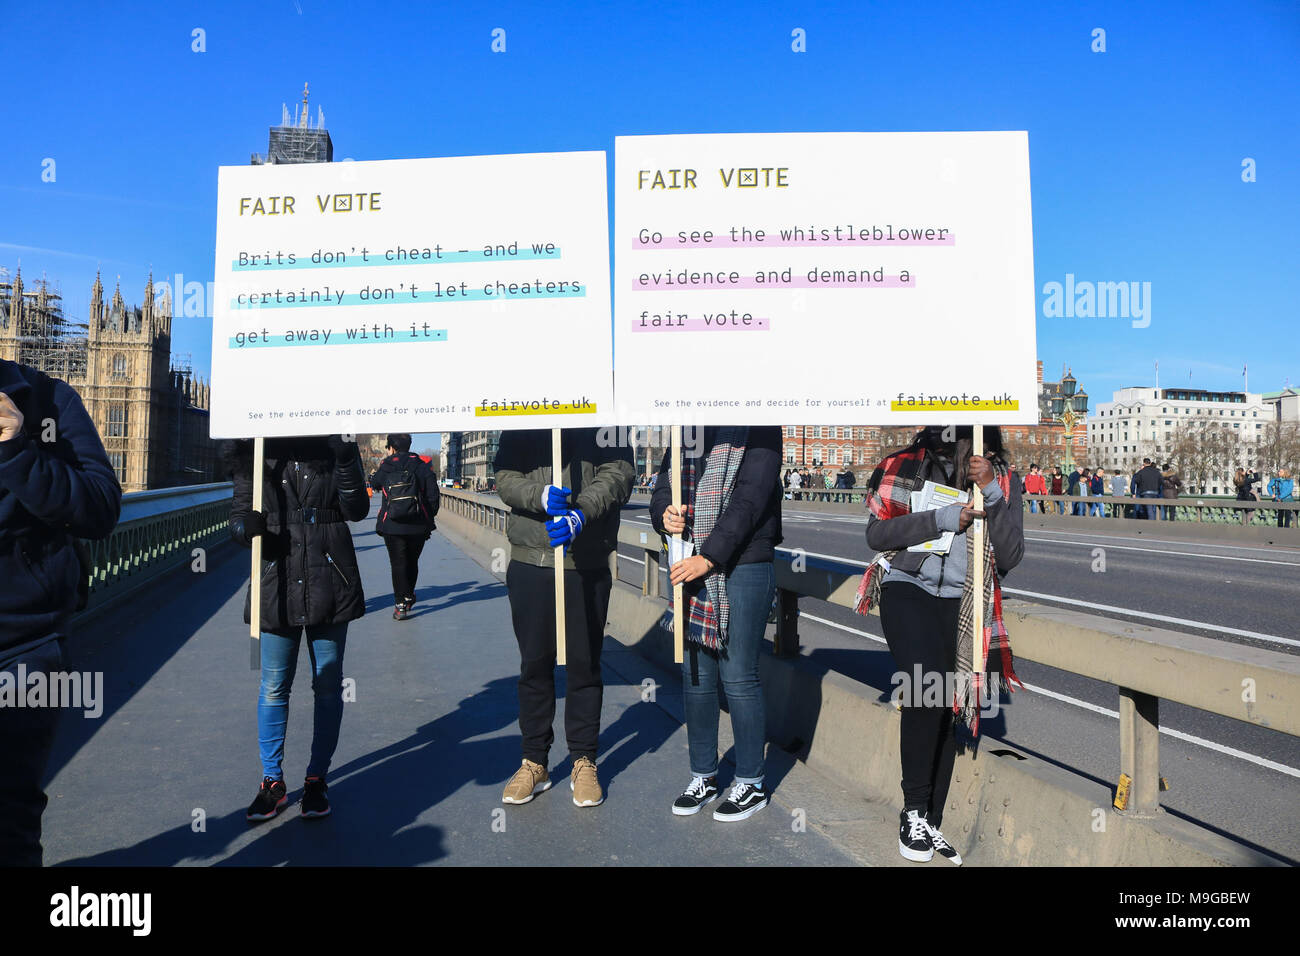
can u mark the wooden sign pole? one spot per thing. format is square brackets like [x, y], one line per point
[679, 630]
[255, 580]
[557, 479]
[977, 529]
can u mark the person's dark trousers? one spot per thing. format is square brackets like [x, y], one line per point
[404, 557]
[749, 592]
[1152, 511]
[1283, 518]
[921, 629]
[26, 740]
[532, 608]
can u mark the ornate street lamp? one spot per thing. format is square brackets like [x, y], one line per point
[1069, 407]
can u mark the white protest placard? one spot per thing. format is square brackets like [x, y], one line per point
[815, 278]
[412, 295]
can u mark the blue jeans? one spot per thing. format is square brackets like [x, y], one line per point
[1033, 510]
[749, 589]
[1152, 511]
[325, 643]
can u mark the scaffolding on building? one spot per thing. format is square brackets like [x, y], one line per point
[43, 337]
[298, 140]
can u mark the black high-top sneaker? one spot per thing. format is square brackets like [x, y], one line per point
[270, 800]
[702, 791]
[744, 800]
[942, 846]
[914, 837]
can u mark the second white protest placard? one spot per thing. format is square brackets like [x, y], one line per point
[786, 278]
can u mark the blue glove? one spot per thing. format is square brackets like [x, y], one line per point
[565, 528]
[555, 500]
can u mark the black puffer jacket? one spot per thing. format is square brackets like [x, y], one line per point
[309, 570]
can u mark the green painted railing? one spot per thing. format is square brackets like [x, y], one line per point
[158, 531]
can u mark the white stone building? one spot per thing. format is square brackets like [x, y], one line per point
[1143, 422]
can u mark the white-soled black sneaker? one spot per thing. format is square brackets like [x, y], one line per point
[743, 801]
[702, 791]
[942, 846]
[914, 841]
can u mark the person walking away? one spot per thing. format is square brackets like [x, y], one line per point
[731, 520]
[1170, 484]
[1148, 483]
[1282, 489]
[56, 487]
[311, 588]
[926, 602]
[406, 516]
[578, 510]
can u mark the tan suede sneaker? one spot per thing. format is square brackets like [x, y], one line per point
[584, 784]
[529, 780]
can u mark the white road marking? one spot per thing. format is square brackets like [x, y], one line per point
[1239, 632]
[1181, 554]
[1074, 701]
[1121, 537]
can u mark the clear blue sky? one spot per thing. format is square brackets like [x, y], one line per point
[1135, 152]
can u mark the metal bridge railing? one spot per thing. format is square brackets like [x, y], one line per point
[158, 531]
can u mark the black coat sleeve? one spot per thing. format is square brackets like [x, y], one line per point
[756, 482]
[69, 483]
[350, 480]
[241, 504]
[662, 496]
[432, 496]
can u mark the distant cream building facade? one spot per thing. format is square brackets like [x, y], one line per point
[1142, 422]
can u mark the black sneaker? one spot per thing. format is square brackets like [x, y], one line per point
[314, 801]
[743, 801]
[942, 846]
[702, 791]
[914, 837]
[270, 800]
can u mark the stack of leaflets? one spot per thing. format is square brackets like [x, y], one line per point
[932, 497]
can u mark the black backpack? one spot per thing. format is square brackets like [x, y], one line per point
[403, 494]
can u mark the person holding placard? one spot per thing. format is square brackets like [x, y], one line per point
[730, 519]
[926, 601]
[405, 520]
[581, 513]
[310, 585]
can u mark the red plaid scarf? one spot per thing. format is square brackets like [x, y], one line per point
[707, 494]
[891, 486]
